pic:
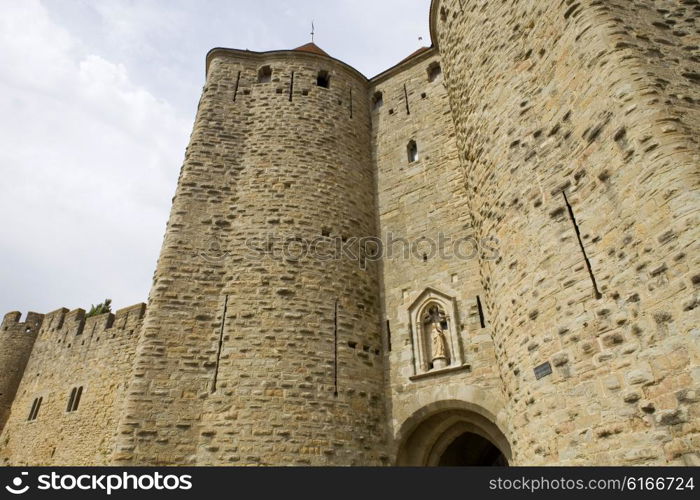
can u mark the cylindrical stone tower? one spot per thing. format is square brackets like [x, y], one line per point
[577, 126]
[16, 344]
[261, 343]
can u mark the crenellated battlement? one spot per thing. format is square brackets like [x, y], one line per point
[47, 355]
[55, 319]
[64, 326]
[61, 341]
[73, 323]
[11, 322]
[129, 317]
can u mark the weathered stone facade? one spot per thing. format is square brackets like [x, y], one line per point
[597, 101]
[533, 177]
[69, 352]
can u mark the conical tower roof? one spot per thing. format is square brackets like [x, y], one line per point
[312, 48]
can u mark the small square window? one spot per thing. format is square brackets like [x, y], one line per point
[377, 101]
[434, 71]
[412, 150]
[265, 74]
[323, 79]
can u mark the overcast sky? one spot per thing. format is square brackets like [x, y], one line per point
[97, 100]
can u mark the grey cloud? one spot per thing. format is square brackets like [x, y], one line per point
[96, 105]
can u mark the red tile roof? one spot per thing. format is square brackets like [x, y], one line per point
[313, 48]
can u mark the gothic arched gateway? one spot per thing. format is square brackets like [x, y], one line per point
[453, 436]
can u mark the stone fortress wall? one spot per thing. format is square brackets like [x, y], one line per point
[560, 139]
[70, 351]
[418, 202]
[582, 116]
[251, 356]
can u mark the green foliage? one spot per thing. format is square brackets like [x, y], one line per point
[102, 308]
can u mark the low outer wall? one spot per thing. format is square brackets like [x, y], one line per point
[71, 351]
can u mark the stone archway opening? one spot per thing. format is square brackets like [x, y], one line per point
[472, 450]
[453, 438]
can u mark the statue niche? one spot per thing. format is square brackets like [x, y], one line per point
[435, 333]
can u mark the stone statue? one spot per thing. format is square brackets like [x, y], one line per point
[440, 352]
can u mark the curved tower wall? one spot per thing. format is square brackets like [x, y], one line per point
[573, 97]
[254, 351]
[16, 343]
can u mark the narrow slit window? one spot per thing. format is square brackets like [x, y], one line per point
[412, 150]
[482, 318]
[221, 344]
[34, 412]
[377, 101]
[291, 87]
[69, 408]
[335, 349]
[405, 93]
[265, 74]
[388, 335]
[323, 79]
[78, 395]
[574, 222]
[235, 94]
[74, 400]
[434, 71]
[31, 411]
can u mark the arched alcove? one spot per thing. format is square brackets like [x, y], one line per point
[435, 332]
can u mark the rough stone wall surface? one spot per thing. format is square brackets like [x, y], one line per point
[563, 135]
[428, 234]
[245, 345]
[597, 100]
[16, 343]
[71, 351]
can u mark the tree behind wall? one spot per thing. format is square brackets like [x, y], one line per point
[102, 308]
